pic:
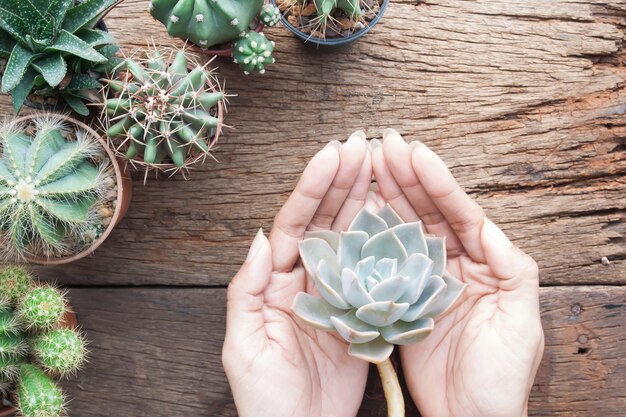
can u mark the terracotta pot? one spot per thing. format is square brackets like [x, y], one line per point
[69, 321]
[124, 194]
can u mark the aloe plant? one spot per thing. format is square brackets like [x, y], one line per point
[208, 23]
[382, 283]
[159, 113]
[53, 179]
[54, 47]
[33, 346]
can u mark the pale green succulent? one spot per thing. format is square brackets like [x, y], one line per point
[381, 283]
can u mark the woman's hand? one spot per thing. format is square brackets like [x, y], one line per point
[277, 367]
[481, 359]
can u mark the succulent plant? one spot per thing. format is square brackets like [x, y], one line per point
[381, 283]
[208, 23]
[52, 181]
[31, 330]
[14, 283]
[253, 52]
[48, 43]
[352, 8]
[270, 15]
[160, 114]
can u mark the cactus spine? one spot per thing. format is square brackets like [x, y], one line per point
[160, 114]
[30, 328]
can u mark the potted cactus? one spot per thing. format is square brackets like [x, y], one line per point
[61, 190]
[382, 283]
[38, 341]
[163, 111]
[225, 27]
[54, 52]
[330, 22]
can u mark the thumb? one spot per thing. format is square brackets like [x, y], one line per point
[245, 325]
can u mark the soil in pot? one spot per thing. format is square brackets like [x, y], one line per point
[302, 15]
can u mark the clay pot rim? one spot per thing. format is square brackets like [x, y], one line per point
[121, 206]
[69, 321]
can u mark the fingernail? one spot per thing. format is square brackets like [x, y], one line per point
[333, 144]
[389, 132]
[256, 245]
[416, 144]
[359, 134]
[496, 235]
[375, 144]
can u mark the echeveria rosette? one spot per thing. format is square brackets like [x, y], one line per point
[382, 283]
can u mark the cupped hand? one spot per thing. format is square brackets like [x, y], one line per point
[276, 366]
[482, 357]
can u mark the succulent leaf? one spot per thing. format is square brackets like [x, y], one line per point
[52, 67]
[16, 67]
[387, 292]
[82, 14]
[67, 42]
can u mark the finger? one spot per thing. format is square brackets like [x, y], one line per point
[357, 196]
[398, 160]
[351, 159]
[388, 187]
[461, 213]
[245, 300]
[296, 214]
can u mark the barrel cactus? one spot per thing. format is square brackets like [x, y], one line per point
[14, 282]
[209, 23]
[253, 52]
[32, 349]
[53, 179]
[381, 283]
[50, 45]
[161, 114]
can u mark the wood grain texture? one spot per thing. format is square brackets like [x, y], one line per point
[524, 99]
[156, 352]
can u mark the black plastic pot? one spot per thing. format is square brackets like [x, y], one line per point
[60, 106]
[334, 42]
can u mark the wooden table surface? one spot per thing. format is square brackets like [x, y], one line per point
[525, 100]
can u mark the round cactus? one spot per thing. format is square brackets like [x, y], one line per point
[60, 351]
[159, 113]
[270, 15]
[382, 282]
[12, 350]
[37, 394]
[9, 324]
[41, 308]
[14, 282]
[253, 52]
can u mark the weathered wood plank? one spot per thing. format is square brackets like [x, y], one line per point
[156, 352]
[524, 99]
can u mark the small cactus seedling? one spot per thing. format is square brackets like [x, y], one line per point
[253, 52]
[31, 329]
[161, 114]
[209, 23]
[352, 8]
[14, 283]
[48, 44]
[52, 181]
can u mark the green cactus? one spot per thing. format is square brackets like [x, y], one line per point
[46, 43]
[270, 15]
[30, 329]
[60, 351]
[253, 52]
[161, 114]
[208, 23]
[41, 308]
[14, 282]
[325, 8]
[38, 395]
[50, 187]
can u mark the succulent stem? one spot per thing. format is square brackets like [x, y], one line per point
[391, 386]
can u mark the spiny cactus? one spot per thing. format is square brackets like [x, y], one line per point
[160, 114]
[270, 15]
[31, 329]
[208, 23]
[253, 52]
[325, 8]
[14, 282]
[381, 283]
[47, 43]
[38, 395]
[52, 180]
